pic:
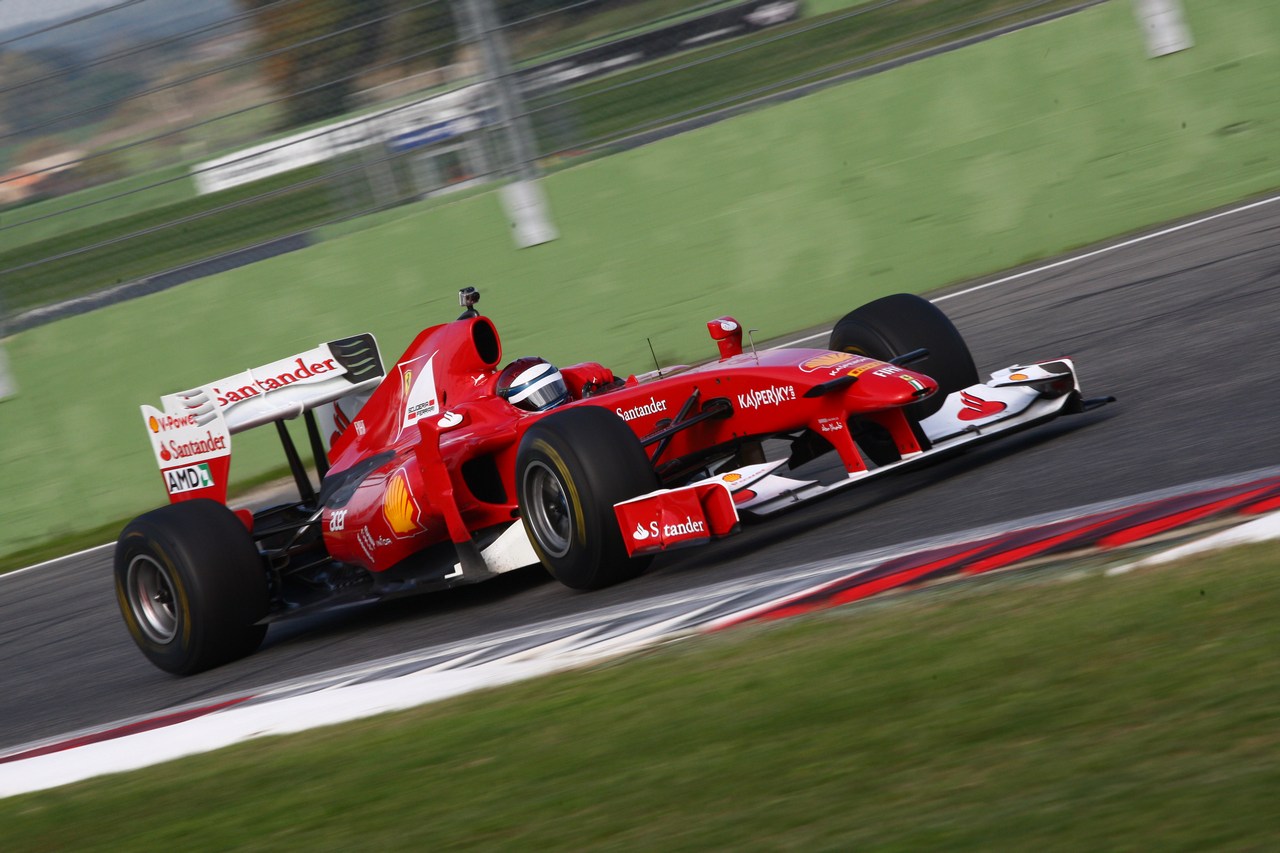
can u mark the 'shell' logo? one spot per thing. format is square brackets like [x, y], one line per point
[834, 361]
[398, 506]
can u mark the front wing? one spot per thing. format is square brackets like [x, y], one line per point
[1012, 399]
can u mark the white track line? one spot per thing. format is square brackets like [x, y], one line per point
[283, 716]
[1124, 244]
[84, 553]
[1261, 529]
[343, 701]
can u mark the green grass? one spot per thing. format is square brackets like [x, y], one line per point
[68, 543]
[48, 219]
[906, 181]
[818, 8]
[556, 35]
[777, 58]
[35, 281]
[118, 250]
[106, 533]
[547, 38]
[150, 188]
[1126, 713]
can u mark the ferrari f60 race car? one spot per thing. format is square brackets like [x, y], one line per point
[446, 469]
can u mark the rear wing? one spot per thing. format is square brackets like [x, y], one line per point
[191, 433]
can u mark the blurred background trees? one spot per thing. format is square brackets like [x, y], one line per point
[316, 50]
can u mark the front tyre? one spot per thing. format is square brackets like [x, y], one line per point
[896, 325]
[191, 586]
[572, 467]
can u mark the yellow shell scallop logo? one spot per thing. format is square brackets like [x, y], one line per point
[398, 506]
[828, 359]
[153, 423]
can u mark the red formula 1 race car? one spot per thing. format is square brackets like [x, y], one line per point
[449, 468]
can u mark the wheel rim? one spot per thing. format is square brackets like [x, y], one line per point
[152, 599]
[547, 508]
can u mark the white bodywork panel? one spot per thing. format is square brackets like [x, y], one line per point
[510, 551]
[284, 389]
[1012, 398]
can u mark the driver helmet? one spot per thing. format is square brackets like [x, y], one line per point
[533, 384]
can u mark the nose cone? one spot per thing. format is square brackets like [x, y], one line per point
[889, 385]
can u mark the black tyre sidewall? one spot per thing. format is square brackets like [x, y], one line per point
[900, 323]
[218, 579]
[599, 462]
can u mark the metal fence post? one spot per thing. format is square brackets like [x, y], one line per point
[523, 200]
[8, 386]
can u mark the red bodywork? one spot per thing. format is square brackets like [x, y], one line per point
[431, 457]
[430, 478]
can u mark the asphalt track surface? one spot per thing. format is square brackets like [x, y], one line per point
[1180, 327]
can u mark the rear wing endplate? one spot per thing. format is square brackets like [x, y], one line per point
[191, 433]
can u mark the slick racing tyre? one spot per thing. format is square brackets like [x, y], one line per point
[191, 586]
[898, 324]
[572, 467]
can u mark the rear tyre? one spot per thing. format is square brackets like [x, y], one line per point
[897, 324]
[572, 467]
[191, 586]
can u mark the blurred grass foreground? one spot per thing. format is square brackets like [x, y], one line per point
[1053, 711]
[1021, 147]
